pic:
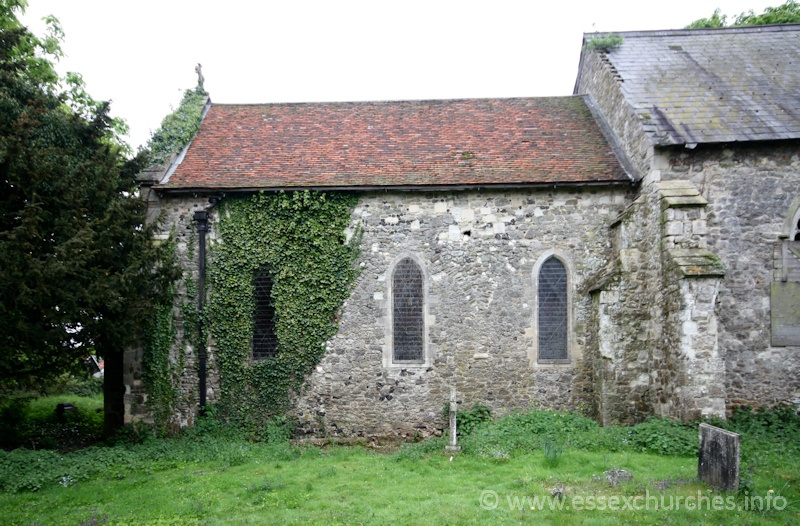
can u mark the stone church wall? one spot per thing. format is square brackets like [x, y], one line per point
[599, 79]
[176, 214]
[750, 189]
[655, 349]
[647, 335]
[478, 250]
[626, 357]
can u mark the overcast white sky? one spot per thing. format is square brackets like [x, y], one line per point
[141, 54]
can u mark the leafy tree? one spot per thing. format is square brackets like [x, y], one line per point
[784, 14]
[79, 270]
[714, 21]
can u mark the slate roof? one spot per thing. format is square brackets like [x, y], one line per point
[414, 144]
[712, 85]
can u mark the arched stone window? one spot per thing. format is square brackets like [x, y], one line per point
[792, 222]
[265, 341]
[408, 312]
[552, 311]
[785, 289]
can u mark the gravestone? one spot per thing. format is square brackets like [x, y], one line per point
[718, 459]
[61, 409]
[453, 447]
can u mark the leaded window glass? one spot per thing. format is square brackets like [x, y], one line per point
[796, 233]
[265, 341]
[553, 310]
[408, 322]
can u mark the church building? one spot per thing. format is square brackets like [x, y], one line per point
[632, 249]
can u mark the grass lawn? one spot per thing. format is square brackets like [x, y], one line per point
[266, 484]
[33, 423]
[507, 474]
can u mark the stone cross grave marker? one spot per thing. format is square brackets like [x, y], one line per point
[453, 447]
[718, 459]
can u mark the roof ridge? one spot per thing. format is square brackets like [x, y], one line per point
[406, 101]
[700, 31]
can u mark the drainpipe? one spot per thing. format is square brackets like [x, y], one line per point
[201, 217]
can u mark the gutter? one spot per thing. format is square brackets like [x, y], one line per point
[201, 217]
[397, 188]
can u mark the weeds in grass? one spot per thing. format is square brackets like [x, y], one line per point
[29, 470]
[552, 452]
[94, 520]
[768, 439]
[219, 476]
[524, 432]
[268, 485]
[328, 472]
[418, 450]
[498, 454]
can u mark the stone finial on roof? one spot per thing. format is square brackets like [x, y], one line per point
[200, 78]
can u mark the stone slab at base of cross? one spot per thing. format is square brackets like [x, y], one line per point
[453, 447]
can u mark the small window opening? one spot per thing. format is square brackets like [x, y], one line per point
[408, 323]
[553, 310]
[265, 340]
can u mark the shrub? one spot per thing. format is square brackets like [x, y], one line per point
[76, 384]
[12, 418]
[553, 432]
[664, 436]
[764, 432]
[527, 431]
[87, 387]
[782, 423]
[279, 429]
[468, 420]
[27, 422]
[603, 43]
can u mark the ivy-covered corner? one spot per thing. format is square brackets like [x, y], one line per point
[179, 127]
[301, 238]
[160, 372]
[172, 332]
[171, 329]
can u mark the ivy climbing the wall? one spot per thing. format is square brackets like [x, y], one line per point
[158, 373]
[179, 127]
[300, 237]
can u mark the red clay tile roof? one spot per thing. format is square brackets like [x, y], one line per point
[398, 144]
